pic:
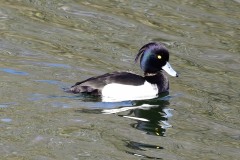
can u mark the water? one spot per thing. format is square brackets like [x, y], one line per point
[47, 46]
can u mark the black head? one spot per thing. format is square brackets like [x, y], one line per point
[153, 58]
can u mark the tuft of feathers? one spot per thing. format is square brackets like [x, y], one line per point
[152, 45]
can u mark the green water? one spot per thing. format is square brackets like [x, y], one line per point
[46, 46]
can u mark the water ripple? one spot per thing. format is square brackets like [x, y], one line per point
[13, 71]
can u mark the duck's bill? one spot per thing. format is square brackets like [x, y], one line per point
[169, 70]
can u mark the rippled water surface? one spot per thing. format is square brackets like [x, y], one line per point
[46, 46]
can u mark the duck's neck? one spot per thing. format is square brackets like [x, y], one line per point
[160, 79]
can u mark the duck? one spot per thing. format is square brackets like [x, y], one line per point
[127, 86]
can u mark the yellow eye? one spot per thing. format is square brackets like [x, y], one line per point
[159, 57]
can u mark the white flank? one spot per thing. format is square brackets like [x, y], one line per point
[119, 92]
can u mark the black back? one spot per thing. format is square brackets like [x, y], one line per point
[94, 85]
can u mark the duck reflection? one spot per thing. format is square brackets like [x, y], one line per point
[156, 117]
[151, 115]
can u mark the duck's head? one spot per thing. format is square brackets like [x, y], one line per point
[154, 57]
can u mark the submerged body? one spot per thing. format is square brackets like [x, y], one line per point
[120, 86]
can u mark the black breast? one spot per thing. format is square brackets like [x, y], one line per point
[161, 80]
